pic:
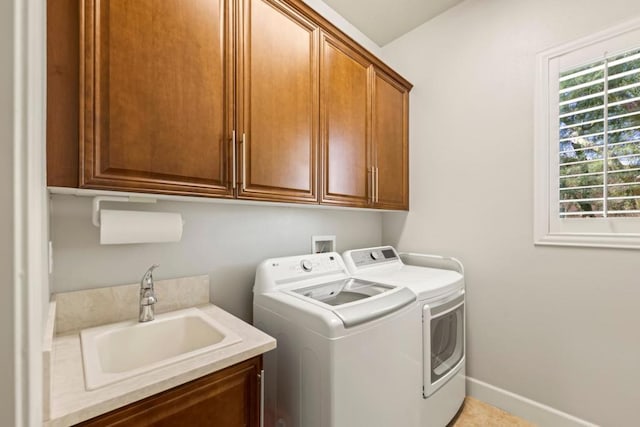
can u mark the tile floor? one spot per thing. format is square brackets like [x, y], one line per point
[479, 414]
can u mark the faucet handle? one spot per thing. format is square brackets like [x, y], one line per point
[147, 279]
[148, 299]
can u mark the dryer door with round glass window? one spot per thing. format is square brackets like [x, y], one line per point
[443, 335]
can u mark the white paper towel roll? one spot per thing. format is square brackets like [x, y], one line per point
[117, 227]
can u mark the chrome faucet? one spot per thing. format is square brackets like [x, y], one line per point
[147, 296]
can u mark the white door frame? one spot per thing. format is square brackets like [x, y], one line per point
[30, 204]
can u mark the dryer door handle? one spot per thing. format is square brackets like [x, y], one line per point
[437, 310]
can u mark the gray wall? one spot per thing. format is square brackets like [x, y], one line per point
[336, 19]
[225, 241]
[7, 397]
[556, 325]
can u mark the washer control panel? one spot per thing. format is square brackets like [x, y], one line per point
[305, 266]
[372, 256]
[274, 273]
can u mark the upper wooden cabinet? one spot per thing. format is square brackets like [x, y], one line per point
[344, 124]
[390, 111]
[156, 95]
[364, 130]
[252, 99]
[277, 103]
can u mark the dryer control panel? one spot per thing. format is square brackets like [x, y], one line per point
[372, 256]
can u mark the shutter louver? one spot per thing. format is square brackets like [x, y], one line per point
[599, 138]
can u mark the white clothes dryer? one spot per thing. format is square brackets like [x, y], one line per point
[438, 284]
[348, 349]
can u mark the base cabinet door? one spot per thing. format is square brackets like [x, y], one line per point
[344, 125]
[390, 115]
[156, 86]
[229, 398]
[277, 103]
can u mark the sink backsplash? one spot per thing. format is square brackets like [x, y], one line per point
[93, 307]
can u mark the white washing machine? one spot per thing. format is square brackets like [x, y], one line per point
[438, 283]
[348, 349]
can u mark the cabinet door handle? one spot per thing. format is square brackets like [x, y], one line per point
[376, 186]
[261, 379]
[244, 161]
[371, 184]
[233, 160]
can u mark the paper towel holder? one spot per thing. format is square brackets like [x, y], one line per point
[95, 217]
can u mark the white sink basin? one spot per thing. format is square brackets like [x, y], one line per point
[118, 351]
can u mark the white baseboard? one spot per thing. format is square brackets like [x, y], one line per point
[537, 413]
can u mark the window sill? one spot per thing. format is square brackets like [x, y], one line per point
[586, 240]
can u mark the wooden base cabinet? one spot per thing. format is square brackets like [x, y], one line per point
[229, 398]
[248, 99]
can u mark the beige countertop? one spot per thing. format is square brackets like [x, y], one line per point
[71, 403]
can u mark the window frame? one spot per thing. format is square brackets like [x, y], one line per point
[549, 228]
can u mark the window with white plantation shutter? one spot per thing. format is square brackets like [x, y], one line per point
[599, 138]
[587, 141]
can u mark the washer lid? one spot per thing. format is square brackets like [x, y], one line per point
[357, 301]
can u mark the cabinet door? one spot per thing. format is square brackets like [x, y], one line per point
[344, 124]
[277, 103]
[230, 397]
[156, 91]
[390, 107]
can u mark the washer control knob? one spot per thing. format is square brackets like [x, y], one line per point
[375, 255]
[306, 265]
